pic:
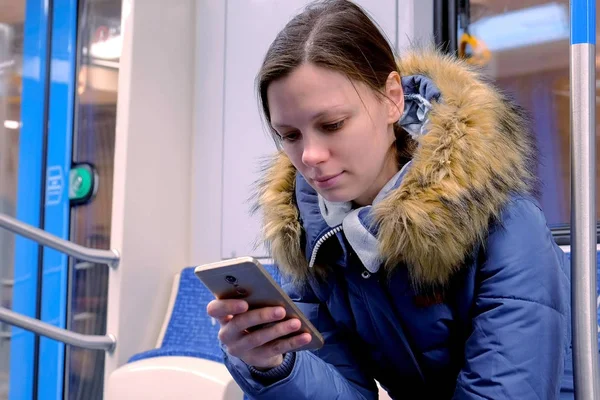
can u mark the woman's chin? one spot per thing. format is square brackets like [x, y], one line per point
[335, 196]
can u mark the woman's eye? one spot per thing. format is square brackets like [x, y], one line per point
[334, 126]
[290, 137]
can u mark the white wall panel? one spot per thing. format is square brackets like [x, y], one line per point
[206, 175]
[151, 196]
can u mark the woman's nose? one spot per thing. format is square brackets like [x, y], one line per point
[315, 152]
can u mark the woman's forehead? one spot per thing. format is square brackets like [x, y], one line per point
[307, 80]
[311, 89]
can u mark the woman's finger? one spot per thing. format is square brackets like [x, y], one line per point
[237, 326]
[278, 347]
[222, 308]
[263, 336]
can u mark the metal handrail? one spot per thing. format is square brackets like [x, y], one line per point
[110, 257]
[583, 199]
[90, 342]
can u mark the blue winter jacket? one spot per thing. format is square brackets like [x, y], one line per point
[450, 285]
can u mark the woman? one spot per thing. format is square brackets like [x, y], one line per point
[400, 210]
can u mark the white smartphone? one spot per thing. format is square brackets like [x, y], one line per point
[245, 278]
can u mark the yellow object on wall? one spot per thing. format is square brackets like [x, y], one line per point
[480, 55]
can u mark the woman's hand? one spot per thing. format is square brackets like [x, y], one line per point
[262, 347]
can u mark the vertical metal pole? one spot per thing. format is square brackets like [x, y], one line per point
[445, 21]
[439, 23]
[583, 198]
[452, 22]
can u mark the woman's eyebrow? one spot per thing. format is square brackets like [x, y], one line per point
[329, 110]
[320, 114]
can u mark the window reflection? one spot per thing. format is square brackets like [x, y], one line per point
[529, 42]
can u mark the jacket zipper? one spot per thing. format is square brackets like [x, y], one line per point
[320, 242]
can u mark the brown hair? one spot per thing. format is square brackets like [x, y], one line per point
[337, 35]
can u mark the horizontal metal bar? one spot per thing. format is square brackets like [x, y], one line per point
[110, 257]
[562, 234]
[90, 342]
[7, 282]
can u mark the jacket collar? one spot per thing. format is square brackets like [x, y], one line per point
[474, 152]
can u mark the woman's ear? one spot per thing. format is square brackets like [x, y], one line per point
[395, 96]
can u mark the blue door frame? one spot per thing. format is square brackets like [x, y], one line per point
[45, 153]
[55, 266]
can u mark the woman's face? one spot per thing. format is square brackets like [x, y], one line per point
[337, 133]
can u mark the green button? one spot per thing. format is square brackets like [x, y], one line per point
[80, 183]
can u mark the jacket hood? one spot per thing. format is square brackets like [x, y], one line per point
[474, 153]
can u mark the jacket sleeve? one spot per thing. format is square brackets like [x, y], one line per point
[332, 372]
[520, 314]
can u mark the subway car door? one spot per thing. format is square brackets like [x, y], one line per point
[59, 64]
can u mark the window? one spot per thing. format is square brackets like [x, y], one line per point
[529, 44]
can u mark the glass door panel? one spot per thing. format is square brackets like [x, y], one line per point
[99, 51]
[11, 56]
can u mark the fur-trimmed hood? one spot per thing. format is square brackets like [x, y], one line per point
[476, 152]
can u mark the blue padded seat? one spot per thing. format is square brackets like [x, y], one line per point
[191, 332]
